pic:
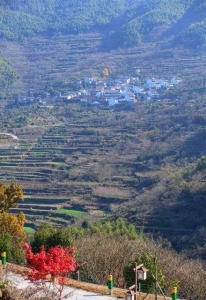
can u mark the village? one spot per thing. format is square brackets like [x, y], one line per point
[112, 93]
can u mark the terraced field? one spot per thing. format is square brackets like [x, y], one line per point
[104, 163]
[99, 163]
[57, 165]
[43, 61]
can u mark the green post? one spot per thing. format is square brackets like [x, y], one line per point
[110, 283]
[3, 258]
[174, 293]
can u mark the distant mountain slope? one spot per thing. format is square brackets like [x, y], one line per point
[118, 23]
[7, 75]
[129, 22]
[72, 16]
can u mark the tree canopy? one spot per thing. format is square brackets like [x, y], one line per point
[12, 236]
[10, 196]
[129, 22]
[13, 225]
[48, 236]
[7, 74]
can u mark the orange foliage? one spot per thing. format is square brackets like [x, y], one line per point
[13, 225]
[9, 196]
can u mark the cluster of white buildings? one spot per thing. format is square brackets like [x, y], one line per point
[112, 92]
[126, 90]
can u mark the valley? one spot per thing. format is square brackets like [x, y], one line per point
[81, 163]
[143, 161]
[103, 144]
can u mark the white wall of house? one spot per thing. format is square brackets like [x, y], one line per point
[112, 102]
[151, 83]
[136, 89]
[175, 80]
[163, 83]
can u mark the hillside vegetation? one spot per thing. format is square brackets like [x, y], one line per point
[75, 29]
[100, 249]
[125, 22]
[7, 74]
[145, 161]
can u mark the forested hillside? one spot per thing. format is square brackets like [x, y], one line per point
[125, 22]
[118, 24]
[7, 75]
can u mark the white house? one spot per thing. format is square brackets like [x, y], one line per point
[137, 89]
[153, 94]
[151, 83]
[129, 96]
[175, 80]
[125, 92]
[127, 80]
[112, 101]
[88, 80]
[164, 83]
[83, 91]
[113, 93]
[95, 103]
[68, 96]
[98, 94]
[158, 86]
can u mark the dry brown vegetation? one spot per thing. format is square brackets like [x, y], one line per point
[106, 254]
[139, 162]
[109, 255]
[13, 293]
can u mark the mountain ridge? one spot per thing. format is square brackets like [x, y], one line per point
[120, 24]
[20, 20]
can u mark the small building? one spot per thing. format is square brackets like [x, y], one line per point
[67, 96]
[153, 93]
[151, 83]
[164, 83]
[112, 102]
[129, 96]
[137, 89]
[113, 93]
[83, 100]
[96, 103]
[88, 80]
[175, 80]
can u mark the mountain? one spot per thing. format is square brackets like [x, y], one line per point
[127, 22]
[118, 24]
[158, 148]
[26, 27]
[7, 74]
